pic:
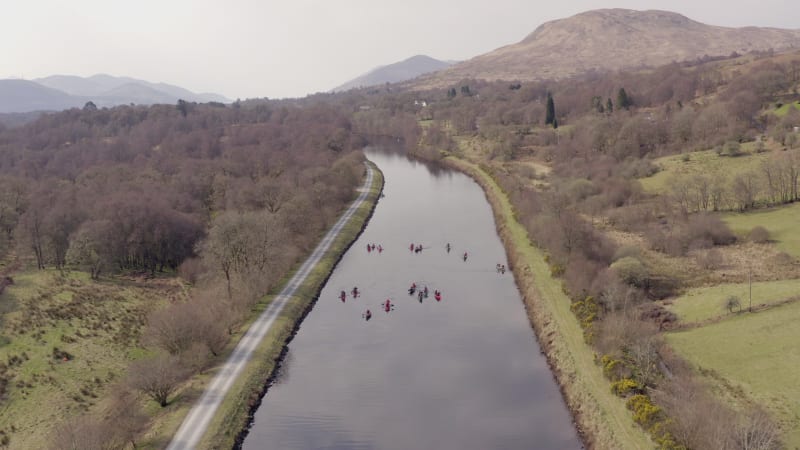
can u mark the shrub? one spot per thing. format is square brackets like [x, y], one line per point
[625, 387]
[710, 260]
[612, 367]
[758, 235]
[632, 251]
[631, 271]
[191, 269]
[710, 227]
[732, 303]
[645, 413]
[731, 148]
[586, 311]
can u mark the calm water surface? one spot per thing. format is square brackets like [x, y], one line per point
[463, 373]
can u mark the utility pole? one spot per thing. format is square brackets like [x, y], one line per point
[750, 283]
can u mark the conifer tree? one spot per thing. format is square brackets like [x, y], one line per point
[623, 101]
[550, 115]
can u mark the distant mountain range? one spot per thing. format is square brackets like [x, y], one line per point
[59, 92]
[610, 39]
[401, 71]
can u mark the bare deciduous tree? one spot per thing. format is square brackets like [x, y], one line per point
[157, 377]
[757, 431]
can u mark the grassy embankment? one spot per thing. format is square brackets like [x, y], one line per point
[233, 414]
[96, 323]
[602, 417]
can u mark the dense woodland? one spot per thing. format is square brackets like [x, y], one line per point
[599, 133]
[228, 197]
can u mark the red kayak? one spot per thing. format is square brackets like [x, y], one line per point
[387, 306]
[438, 296]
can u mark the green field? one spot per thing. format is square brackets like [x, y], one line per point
[757, 353]
[781, 222]
[706, 303]
[705, 162]
[783, 110]
[96, 322]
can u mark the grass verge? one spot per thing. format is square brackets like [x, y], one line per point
[751, 358]
[603, 420]
[245, 394]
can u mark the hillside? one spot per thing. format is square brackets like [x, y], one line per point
[59, 92]
[24, 96]
[401, 71]
[610, 39]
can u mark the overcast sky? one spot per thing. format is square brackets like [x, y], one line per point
[289, 48]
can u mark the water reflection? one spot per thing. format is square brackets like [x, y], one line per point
[463, 373]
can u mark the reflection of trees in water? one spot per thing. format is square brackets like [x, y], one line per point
[282, 371]
[397, 151]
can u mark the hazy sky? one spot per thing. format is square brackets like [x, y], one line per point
[289, 48]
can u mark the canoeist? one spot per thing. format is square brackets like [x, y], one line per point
[342, 295]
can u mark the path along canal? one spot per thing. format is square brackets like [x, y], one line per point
[461, 373]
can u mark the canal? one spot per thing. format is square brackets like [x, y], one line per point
[461, 373]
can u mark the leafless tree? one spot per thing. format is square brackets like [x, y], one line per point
[745, 189]
[157, 377]
[757, 431]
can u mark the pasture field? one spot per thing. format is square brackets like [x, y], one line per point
[781, 222]
[783, 110]
[706, 303]
[705, 162]
[751, 358]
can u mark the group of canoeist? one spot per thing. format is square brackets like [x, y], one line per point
[415, 248]
[354, 293]
[423, 293]
[501, 268]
